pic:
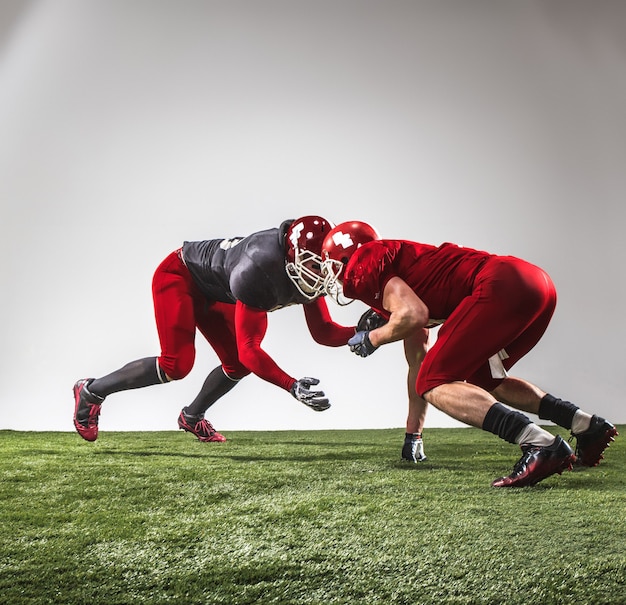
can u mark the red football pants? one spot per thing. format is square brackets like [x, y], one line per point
[509, 308]
[180, 308]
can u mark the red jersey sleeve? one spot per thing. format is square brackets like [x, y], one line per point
[251, 326]
[368, 271]
[322, 328]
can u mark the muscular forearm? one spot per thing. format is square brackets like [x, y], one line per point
[399, 327]
[408, 313]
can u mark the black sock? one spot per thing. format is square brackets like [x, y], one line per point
[412, 436]
[91, 397]
[558, 411]
[215, 386]
[505, 423]
[133, 375]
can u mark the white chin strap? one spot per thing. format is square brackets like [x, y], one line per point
[338, 296]
[331, 269]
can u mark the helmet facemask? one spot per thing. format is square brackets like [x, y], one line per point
[332, 269]
[305, 273]
[303, 265]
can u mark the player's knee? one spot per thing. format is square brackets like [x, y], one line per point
[425, 386]
[235, 371]
[176, 368]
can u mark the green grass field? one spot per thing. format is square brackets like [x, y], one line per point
[319, 517]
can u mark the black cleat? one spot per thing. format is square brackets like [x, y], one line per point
[537, 463]
[590, 444]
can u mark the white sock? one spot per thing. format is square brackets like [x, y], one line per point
[533, 434]
[580, 422]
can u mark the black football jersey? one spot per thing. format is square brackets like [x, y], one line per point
[250, 269]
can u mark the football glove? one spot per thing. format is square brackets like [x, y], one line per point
[413, 449]
[361, 344]
[316, 400]
[370, 320]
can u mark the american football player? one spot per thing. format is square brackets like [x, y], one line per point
[225, 288]
[493, 310]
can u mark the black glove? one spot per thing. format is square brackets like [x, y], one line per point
[370, 320]
[316, 400]
[361, 344]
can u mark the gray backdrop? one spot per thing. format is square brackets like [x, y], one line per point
[127, 127]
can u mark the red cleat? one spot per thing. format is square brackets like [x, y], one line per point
[537, 463]
[86, 410]
[200, 427]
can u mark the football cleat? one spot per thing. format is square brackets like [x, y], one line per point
[86, 410]
[413, 450]
[537, 463]
[199, 426]
[590, 444]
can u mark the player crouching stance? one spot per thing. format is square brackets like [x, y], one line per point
[224, 288]
[493, 310]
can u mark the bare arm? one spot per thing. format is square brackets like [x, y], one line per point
[408, 313]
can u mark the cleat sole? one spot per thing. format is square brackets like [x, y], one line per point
[609, 437]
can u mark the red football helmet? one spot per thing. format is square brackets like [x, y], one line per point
[303, 241]
[339, 245]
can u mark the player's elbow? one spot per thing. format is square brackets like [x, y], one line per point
[412, 317]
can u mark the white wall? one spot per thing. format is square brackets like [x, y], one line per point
[127, 127]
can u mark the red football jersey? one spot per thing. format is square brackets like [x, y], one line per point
[442, 276]
[493, 306]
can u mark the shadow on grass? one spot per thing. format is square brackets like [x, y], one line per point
[287, 457]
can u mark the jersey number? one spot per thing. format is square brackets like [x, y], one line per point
[227, 244]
